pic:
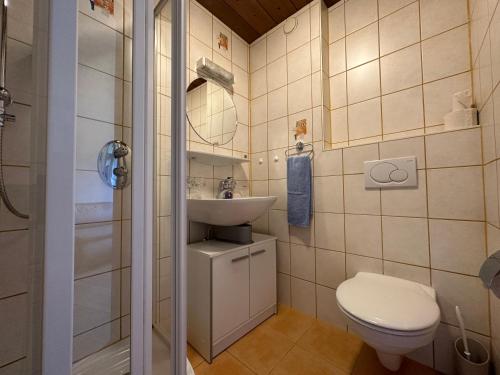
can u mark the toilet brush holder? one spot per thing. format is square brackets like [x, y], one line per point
[479, 362]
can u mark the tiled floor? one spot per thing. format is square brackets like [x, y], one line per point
[292, 343]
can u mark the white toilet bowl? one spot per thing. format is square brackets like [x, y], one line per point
[392, 315]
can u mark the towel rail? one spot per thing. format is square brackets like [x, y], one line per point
[300, 148]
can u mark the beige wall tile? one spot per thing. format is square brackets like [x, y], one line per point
[364, 119]
[403, 110]
[14, 317]
[328, 163]
[284, 289]
[277, 103]
[457, 246]
[466, 292]
[437, 96]
[404, 147]
[363, 82]
[359, 13]
[364, 235]
[400, 29]
[337, 57]
[258, 55]
[456, 193]
[240, 52]
[386, 7]
[362, 46]
[303, 262]
[302, 33]
[445, 54]
[258, 83]
[329, 231]
[406, 202]
[491, 193]
[358, 199]
[339, 125]
[276, 44]
[338, 93]
[299, 63]
[328, 194]
[259, 110]
[355, 156]
[278, 225]
[299, 95]
[277, 74]
[277, 133]
[401, 69]
[355, 264]
[330, 268]
[454, 149]
[327, 308]
[278, 188]
[277, 164]
[259, 138]
[406, 240]
[336, 23]
[405, 271]
[260, 166]
[442, 15]
[303, 296]
[283, 257]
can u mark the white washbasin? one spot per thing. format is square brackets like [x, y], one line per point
[228, 211]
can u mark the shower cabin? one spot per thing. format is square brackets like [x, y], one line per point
[92, 219]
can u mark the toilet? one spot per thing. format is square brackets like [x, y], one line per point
[392, 315]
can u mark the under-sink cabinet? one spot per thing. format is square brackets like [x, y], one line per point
[231, 289]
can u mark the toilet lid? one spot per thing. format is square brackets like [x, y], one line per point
[389, 302]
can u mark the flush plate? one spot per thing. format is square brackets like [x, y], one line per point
[398, 172]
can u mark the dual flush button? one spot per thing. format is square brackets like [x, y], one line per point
[398, 172]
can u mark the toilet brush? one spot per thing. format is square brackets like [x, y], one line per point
[462, 330]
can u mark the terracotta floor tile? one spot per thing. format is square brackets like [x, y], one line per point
[368, 364]
[289, 322]
[224, 364]
[300, 362]
[333, 344]
[261, 349]
[194, 357]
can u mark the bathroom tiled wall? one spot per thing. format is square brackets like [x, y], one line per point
[394, 66]
[434, 234]
[203, 180]
[17, 262]
[485, 42]
[204, 31]
[103, 215]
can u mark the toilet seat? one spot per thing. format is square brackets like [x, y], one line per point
[387, 331]
[389, 304]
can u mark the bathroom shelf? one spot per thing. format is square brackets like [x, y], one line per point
[214, 159]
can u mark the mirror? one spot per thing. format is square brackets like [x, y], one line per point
[211, 111]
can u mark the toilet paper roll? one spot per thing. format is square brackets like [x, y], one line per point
[462, 100]
[462, 118]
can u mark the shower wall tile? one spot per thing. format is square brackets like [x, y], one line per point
[14, 261]
[14, 312]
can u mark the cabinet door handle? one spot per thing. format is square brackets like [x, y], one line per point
[239, 258]
[259, 252]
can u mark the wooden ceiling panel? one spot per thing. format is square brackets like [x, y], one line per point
[231, 18]
[253, 13]
[278, 9]
[252, 18]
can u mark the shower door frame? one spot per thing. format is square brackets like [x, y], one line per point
[57, 341]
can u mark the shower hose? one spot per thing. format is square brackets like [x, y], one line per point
[3, 190]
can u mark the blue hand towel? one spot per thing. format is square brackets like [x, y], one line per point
[299, 185]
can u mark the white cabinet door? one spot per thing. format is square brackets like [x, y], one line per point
[230, 291]
[262, 277]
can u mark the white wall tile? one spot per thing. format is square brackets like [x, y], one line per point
[327, 308]
[277, 74]
[442, 15]
[446, 54]
[400, 29]
[336, 23]
[386, 7]
[456, 193]
[364, 235]
[457, 246]
[356, 263]
[303, 262]
[404, 271]
[354, 157]
[328, 194]
[363, 82]
[329, 231]
[454, 149]
[406, 240]
[358, 199]
[403, 110]
[303, 296]
[276, 44]
[14, 328]
[330, 268]
[364, 119]
[362, 46]
[359, 13]
[406, 202]
[401, 69]
[302, 32]
[299, 63]
[299, 95]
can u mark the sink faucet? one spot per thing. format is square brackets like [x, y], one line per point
[226, 188]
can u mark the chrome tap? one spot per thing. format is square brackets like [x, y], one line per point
[226, 188]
